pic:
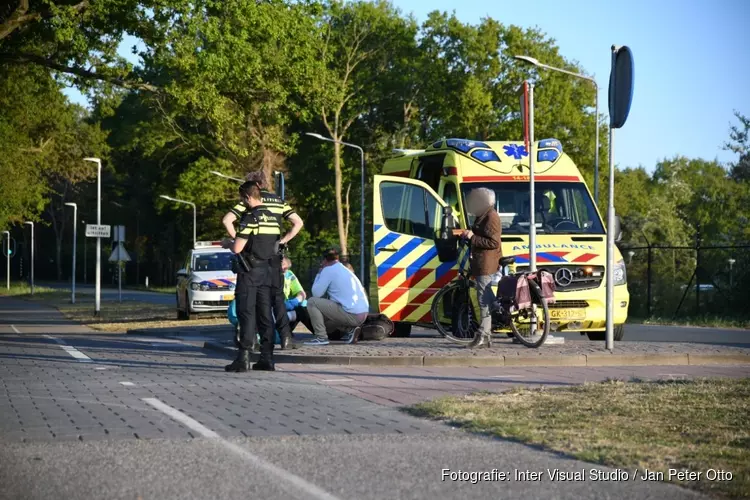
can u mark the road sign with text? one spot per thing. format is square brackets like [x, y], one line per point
[97, 231]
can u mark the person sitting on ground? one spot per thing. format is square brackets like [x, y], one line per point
[346, 305]
[296, 304]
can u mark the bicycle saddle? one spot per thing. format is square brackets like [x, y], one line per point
[506, 261]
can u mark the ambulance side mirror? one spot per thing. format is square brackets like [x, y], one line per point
[445, 242]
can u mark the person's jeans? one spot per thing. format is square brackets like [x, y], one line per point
[485, 297]
[327, 316]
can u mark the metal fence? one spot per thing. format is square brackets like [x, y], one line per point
[676, 281]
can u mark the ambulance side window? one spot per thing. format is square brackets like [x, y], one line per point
[409, 209]
[430, 170]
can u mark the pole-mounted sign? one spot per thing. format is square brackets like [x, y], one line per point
[620, 99]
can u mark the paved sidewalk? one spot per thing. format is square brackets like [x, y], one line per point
[35, 318]
[424, 350]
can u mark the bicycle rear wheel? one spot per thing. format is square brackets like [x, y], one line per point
[521, 321]
[453, 313]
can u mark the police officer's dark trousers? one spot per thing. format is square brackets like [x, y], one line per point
[254, 304]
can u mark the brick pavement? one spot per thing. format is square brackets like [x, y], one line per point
[45, 394]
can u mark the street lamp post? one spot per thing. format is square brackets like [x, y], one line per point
[32, 255]
[98, 285]
[186, 203]
[75, 244]
[538, 64]
[362, 199]
[731, 278]
[7, 261]
[226, 176]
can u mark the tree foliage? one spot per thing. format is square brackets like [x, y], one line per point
[232, 86]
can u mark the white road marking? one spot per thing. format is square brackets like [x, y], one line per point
[100, 368]
[506, 376]
[337, 380]
[12, 327]
[308, 489]
[71, 350]
[127, 384]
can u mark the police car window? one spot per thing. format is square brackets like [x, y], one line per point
[408, 209]
[219, 261]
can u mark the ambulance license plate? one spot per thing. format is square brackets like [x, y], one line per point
[569, 314]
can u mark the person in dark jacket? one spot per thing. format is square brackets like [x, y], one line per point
[485, 256]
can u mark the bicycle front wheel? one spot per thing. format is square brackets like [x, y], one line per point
[453, 313]
[531, 325]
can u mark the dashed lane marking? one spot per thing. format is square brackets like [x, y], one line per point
[71, 350]
[295, 485]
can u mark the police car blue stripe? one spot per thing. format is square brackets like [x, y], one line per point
[396, 257]
[420, 262]
[386, 240]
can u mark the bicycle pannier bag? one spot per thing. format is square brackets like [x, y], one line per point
[523, 294]
[506, 287]
[547, 284]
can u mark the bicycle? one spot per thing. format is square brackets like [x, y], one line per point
[462, 316]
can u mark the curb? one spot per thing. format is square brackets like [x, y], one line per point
[599, 359]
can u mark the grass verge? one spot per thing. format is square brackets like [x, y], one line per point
[697, 424]
[115, 317]
[18, 289]
[156, 289]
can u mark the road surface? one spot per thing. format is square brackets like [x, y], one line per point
[633, 332]
[91, 415]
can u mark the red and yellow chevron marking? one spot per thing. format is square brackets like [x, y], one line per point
[409, 277]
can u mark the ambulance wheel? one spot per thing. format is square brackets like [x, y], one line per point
[401, 329]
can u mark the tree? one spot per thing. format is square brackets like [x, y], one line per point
[739, 142]
[77, 38]
[65, 172]
[31, 102]
[357, 40]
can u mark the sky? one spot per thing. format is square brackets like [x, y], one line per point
[692, 64]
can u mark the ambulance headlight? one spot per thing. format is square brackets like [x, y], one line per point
[621, 277]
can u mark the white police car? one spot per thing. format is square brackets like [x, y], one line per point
[206, 282]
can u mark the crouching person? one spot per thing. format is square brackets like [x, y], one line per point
[295, 297]
[339, 301]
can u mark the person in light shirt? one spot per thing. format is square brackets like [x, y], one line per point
[339, 300]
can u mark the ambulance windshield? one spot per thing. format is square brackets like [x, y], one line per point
[561, 207]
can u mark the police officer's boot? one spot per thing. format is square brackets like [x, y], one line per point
[241, 364]
[265, 364]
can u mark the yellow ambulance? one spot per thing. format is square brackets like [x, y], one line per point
[408, 201]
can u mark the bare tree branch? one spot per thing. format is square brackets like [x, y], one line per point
[73, 70]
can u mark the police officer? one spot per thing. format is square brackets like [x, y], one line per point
[257, 245]
[282, 210]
